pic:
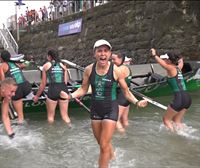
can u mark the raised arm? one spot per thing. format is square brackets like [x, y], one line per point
[159, 60]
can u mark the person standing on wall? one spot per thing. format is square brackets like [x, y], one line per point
[103, 76]
[12, 69]
[56, 73]
[173, 64]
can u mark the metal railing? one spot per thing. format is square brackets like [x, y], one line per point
[11, 39]
[3, 40]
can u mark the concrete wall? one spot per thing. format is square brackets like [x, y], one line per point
[132, 27]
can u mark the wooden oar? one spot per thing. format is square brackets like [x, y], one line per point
[150, 100]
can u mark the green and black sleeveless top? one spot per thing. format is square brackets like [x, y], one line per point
[177, 82]
[55, 73]
[128, 78]
[15, 72]
[103, 87]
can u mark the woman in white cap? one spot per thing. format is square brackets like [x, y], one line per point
[124, 105]
[173, 64]
[103, 76]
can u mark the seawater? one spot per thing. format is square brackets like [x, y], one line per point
[146, 143]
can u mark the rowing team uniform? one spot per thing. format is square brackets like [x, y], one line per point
[23, 86]
[55, 75]
[182, 99]
[122, 101]
[104, 96]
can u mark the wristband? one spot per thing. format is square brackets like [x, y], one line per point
[70, 96]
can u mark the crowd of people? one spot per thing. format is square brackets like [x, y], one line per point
[109, 79]
[33, 16]
[56, 9]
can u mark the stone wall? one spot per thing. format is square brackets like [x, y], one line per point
[132, 27]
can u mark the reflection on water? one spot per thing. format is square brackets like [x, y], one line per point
[146, 143]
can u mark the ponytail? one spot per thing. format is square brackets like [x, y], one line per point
[54, 55]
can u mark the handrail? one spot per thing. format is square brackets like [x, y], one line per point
[3, 41]
[11, 39]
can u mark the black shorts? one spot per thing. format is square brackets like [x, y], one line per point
[101, 110]
[55, 89]
[122, 101]
[23, 89]
[182, 100]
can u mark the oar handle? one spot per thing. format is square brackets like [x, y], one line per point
[150, 100]
[72, 64]
[81, 104]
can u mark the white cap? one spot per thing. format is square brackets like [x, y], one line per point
[127, 59]
[165, 56]
[101, 42]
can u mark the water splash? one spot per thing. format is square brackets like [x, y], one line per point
[187, 131]
[121, 160]
[24, 139]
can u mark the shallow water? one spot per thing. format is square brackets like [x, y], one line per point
[146, 144]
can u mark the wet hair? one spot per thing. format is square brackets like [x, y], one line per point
[8, 81]
[174, 57]
[121, 56]
[5, 55]
[54, 55]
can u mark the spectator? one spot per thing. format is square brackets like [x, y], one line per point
[45, 13]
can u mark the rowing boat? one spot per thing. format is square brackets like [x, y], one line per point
[150, 79]
[147, 79]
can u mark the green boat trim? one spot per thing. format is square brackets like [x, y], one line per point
[145, 82]
[160, 86]
[40, 106]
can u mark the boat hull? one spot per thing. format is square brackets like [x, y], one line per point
[161, 88]
[157, 88]
[40, 106]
